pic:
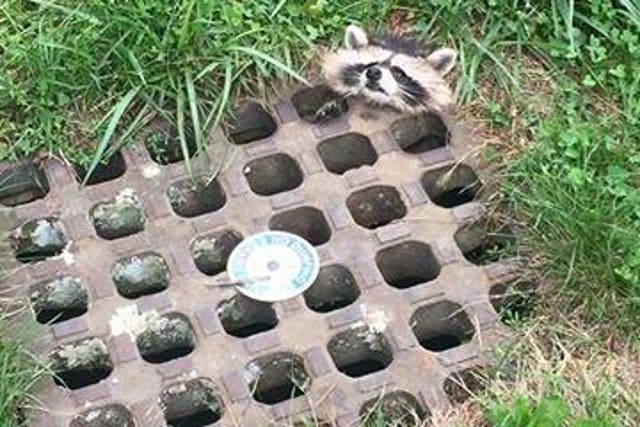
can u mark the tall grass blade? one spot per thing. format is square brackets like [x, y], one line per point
[117, 114]
[181, 133]
[68, 11]
[225, 95]
[271, 60]
[222, 106]
[195, 115]
[277, 8]
[496, 61]
[136, 66]
[136, 124]
[633, 11]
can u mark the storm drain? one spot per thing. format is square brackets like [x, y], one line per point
[143, 327]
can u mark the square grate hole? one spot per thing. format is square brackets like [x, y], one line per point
[165, 337]
[273, 174]
[211, 252]
[58, 300]
[461, 385]
[251, 122]
[451, 185]
[349, 151]
[420, 133]
[111, 415]
[306, 222]
[399, 407]
[407, 264]
[318, 104]
[191, 198]
[441, 326]
[22, 183]
[38, 239]
[193, 403]
[114, 168]
[277, 377]
[360, 351]
[334, 288]
[142, 274]
[513, 301]
[376, 206]
[81, 363]
[243, 317]
[483, 243]
[163, 143]
[119, 217]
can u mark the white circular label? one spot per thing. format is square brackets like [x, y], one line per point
[273, 266]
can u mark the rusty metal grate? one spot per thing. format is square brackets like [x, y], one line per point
[144, 328]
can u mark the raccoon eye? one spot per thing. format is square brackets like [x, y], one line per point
[399, 75]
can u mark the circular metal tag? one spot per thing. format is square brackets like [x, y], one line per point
[273, 266]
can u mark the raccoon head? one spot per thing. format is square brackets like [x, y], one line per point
[392, 71]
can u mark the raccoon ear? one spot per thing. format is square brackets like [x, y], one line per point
[442, 60]
[355, 37]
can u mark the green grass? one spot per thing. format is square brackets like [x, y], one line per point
[558, 374]
[19, 371]
[78, 79]
[575, 187]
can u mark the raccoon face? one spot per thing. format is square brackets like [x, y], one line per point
[391, 72]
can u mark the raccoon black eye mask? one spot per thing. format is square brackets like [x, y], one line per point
[391, 71]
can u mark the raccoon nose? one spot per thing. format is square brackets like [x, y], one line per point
[374, 74]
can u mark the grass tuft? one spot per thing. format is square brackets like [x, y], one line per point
[20, 372]
[66, 65]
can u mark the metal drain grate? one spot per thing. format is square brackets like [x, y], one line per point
[129, 271]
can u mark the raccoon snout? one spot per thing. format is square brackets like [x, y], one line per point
[373, 74]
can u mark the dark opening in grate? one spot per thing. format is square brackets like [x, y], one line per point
[513, 301]
[344, 152]
[120, 217]
[191, 198]
[166, 337]
[420, 133]
[360, 351]
[193, 403]
[58, 300]
[251, 122]
[211, 252]
[306, 222]
[111, 415]
[22, 183]
[242, 317]
[142, 274]
[114, 168]
[398, 407]
[451, 185]
[81, 363]
[376, 206]
[407, 264]
[273, 174]
[334, 288]
[484, 243]
[441, 326]
[164, 145]
[38, 239]
[277, 377]
[461, 385]
[319, 104]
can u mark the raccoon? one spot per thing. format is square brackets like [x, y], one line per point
[391, 71]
